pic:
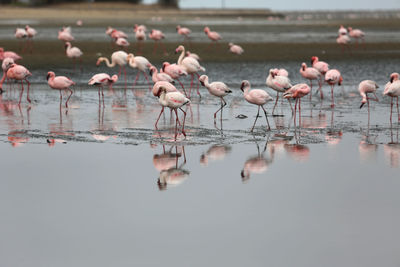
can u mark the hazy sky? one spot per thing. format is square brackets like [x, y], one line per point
[292, 5]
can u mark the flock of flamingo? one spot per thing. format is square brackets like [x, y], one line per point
[188, 64]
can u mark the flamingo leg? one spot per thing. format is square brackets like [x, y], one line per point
[161, 112]
[123, 68]
[398, 114]
[66, 103]
[163, 47]
[176, 123]
[254, 124]
[147, 79]
[332, 104]
[198, 84]
[266, 117]
[299, 112]
[223, 104]
[295, 109]
[290, 103]
[183, 123]
[368, 110]
[136, 79]
[102, 94]
[27, 96]
[22, 91]
[391, 108]
[310, 90]
[276, 103]
[320, 87]
[191, 84]
[182, 86]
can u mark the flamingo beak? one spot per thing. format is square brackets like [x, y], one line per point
[176, 51]
[362, 104]
[242, 86]
[151, 72]
[48, 76]
[391, 79]
[202, 83]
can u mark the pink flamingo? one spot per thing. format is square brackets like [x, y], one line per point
[392, 89]
[367, 87]
[140, 63]
[175, 72]
[157, 36]
[102, 79]
[115, 34]
[342, 30]
[10, 54]
[235, 49]
[122, 42]
[356, 34]
[190, 65]
[321, 66]
[279, 83]
[31, 32]
[281, 72]
[218, 89]
[297, 92]
[74, 53]
[257, 97]
[60, 83]
[7, 62]
[310, 74]
[65, 35]
[140, 36]
[157, 91]
[20, 73]
[156, 76]
[175, 101]
[119, 58]
[213, 36]
[185, 32]
[139, 28]
[333, 77]
[343, 41]
[20, 34]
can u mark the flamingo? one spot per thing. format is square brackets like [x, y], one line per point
[392, 89]
[218, 89]
[60, 83]
[281, 72]
[20, 34]
[139, 28]
[297, 92]
[333, 77]
[73, 52]
[343, 41]
[156, 76]
[122, 42]
[157, 36]
[367, 87]
[175, 71]
[5, 65]
[119, 58]
[65, 35]
[157, 91]
[115, 34]
[185, 32]
[342, 30]
[213, 36]
[215, 152]
[140, 63]
[20, 73]
[257, 97]
[235, 49]
[140, 36]
[193, 55]
[321, 66]
[311, 73]
[175, 101]
[190, 65]
[279, 83]
[31, 32]
[356, 34]
[10, 54]
[102, 79]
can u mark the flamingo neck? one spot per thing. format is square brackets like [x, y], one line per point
[206, 82]
[162, 98]
[110, 65]
[180, 59]
[132, 62]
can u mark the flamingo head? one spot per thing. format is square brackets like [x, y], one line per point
[130, 55]
[98, 62]
[340, 80]
[313, 59]
[349, 29]
[230, 44]
[245, 83]
[50, 74]
[202, 79]
[272, 72]
[26, 27]
[179, 49]
[161, 90]
[394, 77]
[164, 65]
[203, 160]
[114, 78]
[67, 44]
[303, 66]
[178, 27]
[206, 29]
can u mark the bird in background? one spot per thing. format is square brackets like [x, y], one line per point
[100, 80]
[333, 77]
[60, 83]
[392, 89]
[297, 92]
[367, 87]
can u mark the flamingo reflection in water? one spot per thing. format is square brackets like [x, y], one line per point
[256, 164]
[392, 149]
[214, 153]
[368, 148]
[167, 163]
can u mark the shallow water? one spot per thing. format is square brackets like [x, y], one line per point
[94, 186]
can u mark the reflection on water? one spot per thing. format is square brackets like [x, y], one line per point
[258, 163]
[392, 149]
[167, 163]
[215, 153]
